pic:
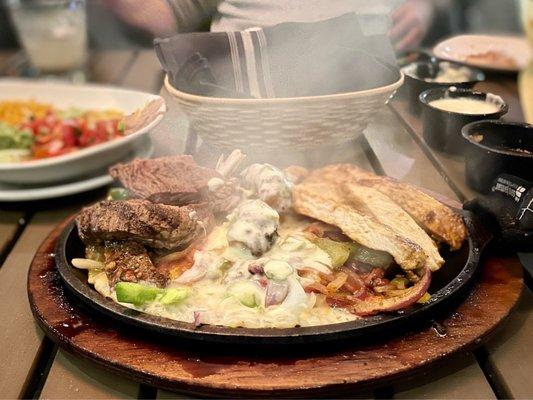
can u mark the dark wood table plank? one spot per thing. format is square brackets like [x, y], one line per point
[20, 337]
[458, 377]
[510, 350]
[73, 378]
[9, 223]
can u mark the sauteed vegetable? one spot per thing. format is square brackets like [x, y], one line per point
[258, 249]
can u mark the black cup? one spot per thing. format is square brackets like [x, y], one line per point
[442, 129]
[492, 150]
[415, 83]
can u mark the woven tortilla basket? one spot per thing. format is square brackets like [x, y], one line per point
[297, 123]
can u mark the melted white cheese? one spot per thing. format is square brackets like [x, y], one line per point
[253, 223]
[269, 184]
[220, 295]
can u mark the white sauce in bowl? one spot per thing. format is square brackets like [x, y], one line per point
[465, 106]
[447, 73]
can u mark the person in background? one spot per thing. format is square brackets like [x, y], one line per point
[408, 22]
[487, 16]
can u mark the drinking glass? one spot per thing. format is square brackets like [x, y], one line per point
[52, 32]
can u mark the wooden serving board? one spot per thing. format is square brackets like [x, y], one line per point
[324, 370]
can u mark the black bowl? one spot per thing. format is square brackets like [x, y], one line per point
[442, 129]
[448, 287]
[495, 153]
[416, 73]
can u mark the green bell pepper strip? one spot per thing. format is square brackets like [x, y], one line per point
[137, 294]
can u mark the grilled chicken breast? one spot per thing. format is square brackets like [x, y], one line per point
[438, 220]
[324, 202]
[389, 213]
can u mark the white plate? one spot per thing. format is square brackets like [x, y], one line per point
[85, 161]
[458, 49]
[142, 149]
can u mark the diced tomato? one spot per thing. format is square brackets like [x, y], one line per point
[87, 137]
[55, 136]
[69, 135]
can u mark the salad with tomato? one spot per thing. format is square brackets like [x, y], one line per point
[31, 130]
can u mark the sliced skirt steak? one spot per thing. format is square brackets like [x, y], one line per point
[158, 226]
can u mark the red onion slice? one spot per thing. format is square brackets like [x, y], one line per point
[276, 292]
[375, 304]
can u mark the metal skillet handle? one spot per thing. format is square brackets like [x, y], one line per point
[481, 233]
[507, 211]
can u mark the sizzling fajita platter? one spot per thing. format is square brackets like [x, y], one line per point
[265, 255]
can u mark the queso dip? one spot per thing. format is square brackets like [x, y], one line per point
[465, 106]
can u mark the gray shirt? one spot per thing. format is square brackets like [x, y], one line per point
[228, 15]
[242, 14]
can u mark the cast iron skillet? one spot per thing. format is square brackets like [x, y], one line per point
[449, 286]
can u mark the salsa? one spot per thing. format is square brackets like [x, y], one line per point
[31, 130]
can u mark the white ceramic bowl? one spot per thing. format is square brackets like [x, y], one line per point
[82, 162]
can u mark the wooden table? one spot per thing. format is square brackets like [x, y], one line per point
[32, 366]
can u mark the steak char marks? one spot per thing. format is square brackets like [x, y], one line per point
[175, 180]
[173, 205]
[158, 226]
[178, 180]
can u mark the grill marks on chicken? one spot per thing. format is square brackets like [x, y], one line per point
[389, 213]
[438, 220]
[326, 203]
[380, 213]
[155, 225]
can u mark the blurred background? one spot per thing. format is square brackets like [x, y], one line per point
[69, 38]
[126, 24]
